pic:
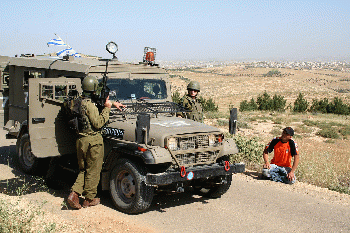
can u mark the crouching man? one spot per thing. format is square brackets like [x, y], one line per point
[280, 168]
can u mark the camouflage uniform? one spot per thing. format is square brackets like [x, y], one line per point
[195, 108]
[90, 150]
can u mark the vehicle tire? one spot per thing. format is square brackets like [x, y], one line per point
[128, 189]
[214, 191]
[26, 159]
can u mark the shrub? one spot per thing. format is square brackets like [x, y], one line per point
[250, 150]
[248, 106]
[176, 97]
[311, 123]
[264, 101]
[252, 104]
[345, 130]
[338, 107]
[272, 73]
[222, 122]
[13, 218]
[328, 133]
[278, 103]
[319, 106]
[300, 104]
[208, 105]
[244, 106]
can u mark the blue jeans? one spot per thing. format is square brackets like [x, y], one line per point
[278, 174]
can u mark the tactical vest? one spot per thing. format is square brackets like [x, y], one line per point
[77, 116]
[195, 108]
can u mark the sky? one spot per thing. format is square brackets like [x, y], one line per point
[181, 30]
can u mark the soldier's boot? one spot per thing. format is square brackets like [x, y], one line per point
[88, 202]
[73, 200]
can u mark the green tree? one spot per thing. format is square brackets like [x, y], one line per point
[338, 107]
[264, 102]
[319, 105]
[208, 105]
[252, 105]
[300, 104]
[244, 106]
[273, 73]
[278, 103]
[248, 106]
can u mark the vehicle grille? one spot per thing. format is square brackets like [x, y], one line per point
[191, 150]
[196, 158]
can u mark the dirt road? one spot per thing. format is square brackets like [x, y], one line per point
[251, 205]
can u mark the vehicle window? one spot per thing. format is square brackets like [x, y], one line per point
[46, 91]
[124, 89]
[57, 92]
[60, 92]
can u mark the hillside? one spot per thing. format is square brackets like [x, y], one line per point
[323, 139]
[229, 85]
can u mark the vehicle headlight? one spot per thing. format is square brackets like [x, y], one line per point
[212, 140]
[172, 144]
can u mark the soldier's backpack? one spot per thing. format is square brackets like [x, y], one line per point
[72, 108]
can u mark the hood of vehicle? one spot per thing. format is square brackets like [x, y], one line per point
[162, 127]
[175, 125]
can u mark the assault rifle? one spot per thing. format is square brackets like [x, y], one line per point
[102, 90]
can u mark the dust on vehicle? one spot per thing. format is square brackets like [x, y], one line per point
[147, 148]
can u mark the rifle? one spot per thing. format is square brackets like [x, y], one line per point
[102, 91]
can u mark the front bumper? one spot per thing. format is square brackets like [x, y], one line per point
[205, 171]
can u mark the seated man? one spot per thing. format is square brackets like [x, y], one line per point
[280, 169]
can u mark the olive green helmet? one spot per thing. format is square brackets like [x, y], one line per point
[194, 85]
[89, 84]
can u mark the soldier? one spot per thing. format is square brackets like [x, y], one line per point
[90, 150]
[192, 103]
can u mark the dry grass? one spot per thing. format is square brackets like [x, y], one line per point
[230, 85]
[324, 161]
[17, 215]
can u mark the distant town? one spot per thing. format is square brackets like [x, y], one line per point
[297, 65]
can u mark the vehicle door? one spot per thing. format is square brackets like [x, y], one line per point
[47, 123]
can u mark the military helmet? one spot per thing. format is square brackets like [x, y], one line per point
[89, 84]
[194, 85]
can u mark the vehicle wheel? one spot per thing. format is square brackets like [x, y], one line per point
[216, 190]
[128, 189]
[27, 160]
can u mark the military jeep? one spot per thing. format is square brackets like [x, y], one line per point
[147, 148]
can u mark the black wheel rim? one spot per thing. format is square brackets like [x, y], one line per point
[27, 155]
[125, 185]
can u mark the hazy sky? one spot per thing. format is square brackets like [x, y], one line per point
[181, 30]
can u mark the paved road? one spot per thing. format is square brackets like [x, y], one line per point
[250, 205]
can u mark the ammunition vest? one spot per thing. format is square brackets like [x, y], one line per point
[78, 119]
[195, 108]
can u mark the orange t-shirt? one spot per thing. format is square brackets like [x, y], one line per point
[283, 152]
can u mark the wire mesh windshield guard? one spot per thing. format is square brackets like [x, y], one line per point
[146, 107]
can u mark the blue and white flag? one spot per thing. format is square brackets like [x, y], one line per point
[57, 42]
[68, 51]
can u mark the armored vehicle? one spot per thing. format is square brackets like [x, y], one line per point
[147, 148]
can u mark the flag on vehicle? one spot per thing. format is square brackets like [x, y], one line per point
[57, 42]
[68, 51]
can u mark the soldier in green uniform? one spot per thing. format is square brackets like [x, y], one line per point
[192, 103]
[90, 150]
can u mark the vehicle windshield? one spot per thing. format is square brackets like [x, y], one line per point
[125, 89]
